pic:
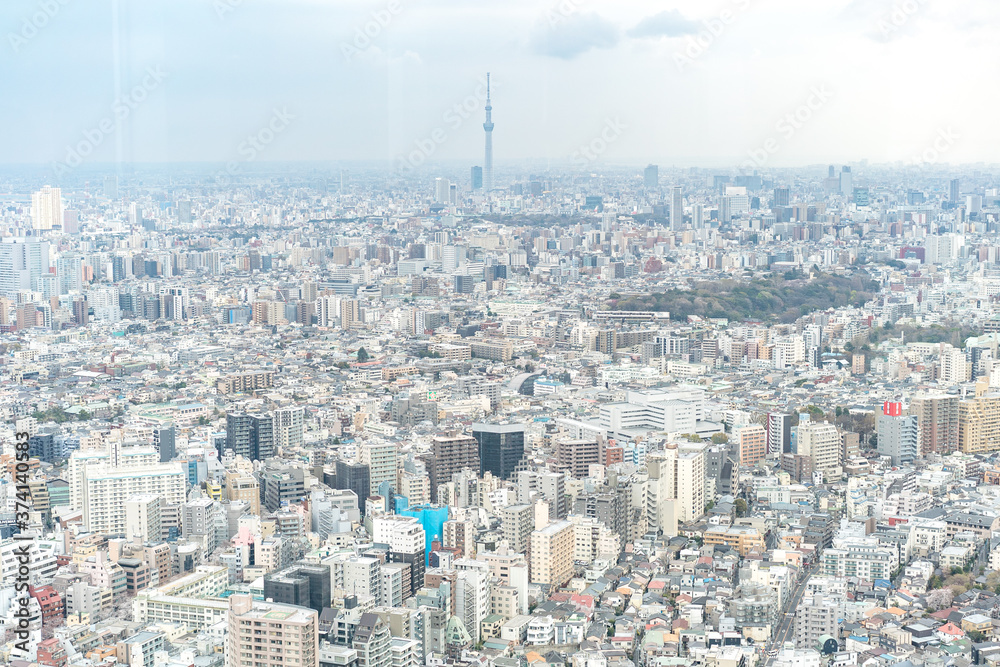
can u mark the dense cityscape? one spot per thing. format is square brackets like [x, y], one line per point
[475, 412]
[622, 418]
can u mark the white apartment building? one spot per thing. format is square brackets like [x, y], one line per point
[675, 491]
[821, 442]
[815, 616]
[860, 557]
[106, 487]
[195, 614]
[381, 459]
[289, 424]
[472, 596]
[130, 457]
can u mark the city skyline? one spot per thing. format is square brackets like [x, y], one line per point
[564, 72]
[686, 352]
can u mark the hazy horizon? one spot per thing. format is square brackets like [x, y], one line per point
[773, 82]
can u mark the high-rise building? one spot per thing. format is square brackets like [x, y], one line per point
[477, 178]
[452, 257]
[69, 269]
[451, 453]
[22, 263]
[406, 541]
[111, 187]
[898, 435]
[850, 445]
[361, 576]
[676, 208]
[846, 182]
[858, 364]
[301, 585]
[81, 311]
[355, 477]
[937, 422]
[442, 190]
[488, 127]
[372, 641]
[349, 313]
[500, 446]
[576, 456]
[607, 341]
[820, 442]
[752, 443]
[551, 558]
[103, 484]
[164, 440]
[815, 617]
[289, 424]
[464, 284]
[550, 487]
[243, 486]
[142, 517]
[281, 484]
[955, 366]
[202, 519]
[782, 197]
[979, 424]
[517, 524]
[46, 209]
[676, 487]
[697, 216]
[380, 457]
[265, 634]
[651, 177]
[954, 190]
[250, 436]
[472, 594]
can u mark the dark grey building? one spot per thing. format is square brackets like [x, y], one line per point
[464, 284]
[357, 478]
[281, 484]
[43, 447]
[301, 585]
[250, 436]
[501, 448]
[164, 440]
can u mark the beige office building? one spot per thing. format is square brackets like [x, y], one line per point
[46, 209]
[820, 441]
[551, 557]
[979, 424]
[937, 422]
[263, 634]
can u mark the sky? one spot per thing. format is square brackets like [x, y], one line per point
[764, 83]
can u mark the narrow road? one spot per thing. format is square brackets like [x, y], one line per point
[786, 621]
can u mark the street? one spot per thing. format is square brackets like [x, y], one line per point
[786, 622]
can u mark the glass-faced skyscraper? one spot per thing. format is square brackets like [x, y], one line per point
[501, 447]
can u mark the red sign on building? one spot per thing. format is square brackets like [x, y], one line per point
[891, 409]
